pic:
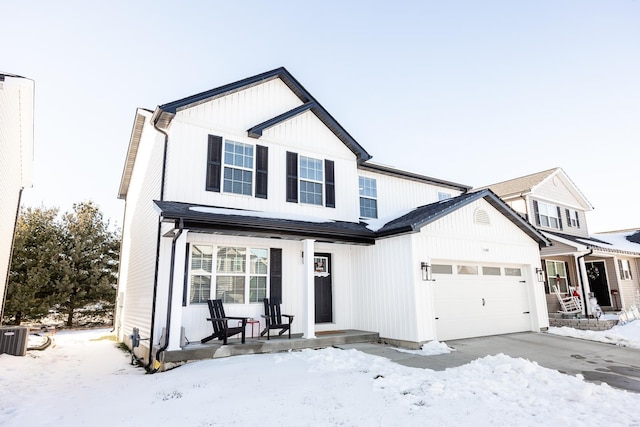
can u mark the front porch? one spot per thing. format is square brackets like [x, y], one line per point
[259, 345]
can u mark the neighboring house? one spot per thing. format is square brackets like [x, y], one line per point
[16, 159]
[254, 190]
[603, 264]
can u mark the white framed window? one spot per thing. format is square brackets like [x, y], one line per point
[557, 275]
[548, 215]
[238, 168]
[311, 180]
[625, 269]
[240, 274]
[443, 196]
[201, 273]
[573, 218]
[368, 197]
[512, 271]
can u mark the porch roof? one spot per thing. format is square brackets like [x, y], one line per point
[210, 219]
[603, 243]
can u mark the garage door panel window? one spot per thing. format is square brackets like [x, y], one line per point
[509, 271]
[468, 269]
[491, 271]
[442, 269]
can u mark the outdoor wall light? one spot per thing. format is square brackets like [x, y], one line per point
[540, 274]
[426, 271]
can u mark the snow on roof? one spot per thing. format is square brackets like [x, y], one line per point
[257, 214]
[618, 241]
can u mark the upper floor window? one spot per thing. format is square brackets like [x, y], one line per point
[311, 180]
[368, 197]
[240, 169]
[573, 218]
[443, 196]
[547, 215]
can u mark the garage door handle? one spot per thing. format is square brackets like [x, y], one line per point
[483, 302]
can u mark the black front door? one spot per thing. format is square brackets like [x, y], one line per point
[598, 282]
[322, 284]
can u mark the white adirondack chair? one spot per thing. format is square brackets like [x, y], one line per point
[568, 304]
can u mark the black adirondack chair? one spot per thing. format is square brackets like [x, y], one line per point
[220, 323]
[273, 318]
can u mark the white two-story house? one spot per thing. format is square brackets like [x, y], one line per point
[605, 265]
[253, 190]
[16, 159]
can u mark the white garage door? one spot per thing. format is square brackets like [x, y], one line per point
[475, 300]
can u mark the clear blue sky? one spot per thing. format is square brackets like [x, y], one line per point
[473, 92]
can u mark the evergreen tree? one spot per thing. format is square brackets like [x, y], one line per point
[89, 263]
[34, 267]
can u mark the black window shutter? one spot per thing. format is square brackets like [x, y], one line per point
[577, 219]
[262, 168]
[568, 212]
[559, 217]
[214, 157]
[292, 177]
[275, 275]
[536, 212]
[329, 184]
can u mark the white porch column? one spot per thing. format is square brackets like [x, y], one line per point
[309, 320]
[178, 291]
[584, 279]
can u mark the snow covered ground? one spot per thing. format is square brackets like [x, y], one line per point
[84, 380]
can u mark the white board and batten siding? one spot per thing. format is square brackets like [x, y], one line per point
[397, 196]
[139, 237]
[457, 301]
[384, 280]
[304, 134]
[16, 158]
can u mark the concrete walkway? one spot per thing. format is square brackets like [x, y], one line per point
[597, 362]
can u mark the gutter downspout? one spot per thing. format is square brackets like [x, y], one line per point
[157, 266]
[584, 297]
[13, 240]
[170, 294]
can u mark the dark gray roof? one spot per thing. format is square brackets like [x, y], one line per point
[249, 223]
[418, 218]
[165, 112]
[387, 170]
[634, 238]
[589, 241]
[243, 223]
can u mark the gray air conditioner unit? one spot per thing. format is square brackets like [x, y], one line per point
[14, 340]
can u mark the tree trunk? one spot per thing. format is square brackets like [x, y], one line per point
[70, 318]
[18, 318]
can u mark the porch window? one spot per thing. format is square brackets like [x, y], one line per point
[311, 180]
[624, 266]
[201, 269]
[557, 276]
[368, 197]
[240, 274]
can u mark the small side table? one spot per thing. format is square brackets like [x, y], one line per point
[253, 323]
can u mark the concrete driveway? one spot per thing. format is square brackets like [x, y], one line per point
[597, 362]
